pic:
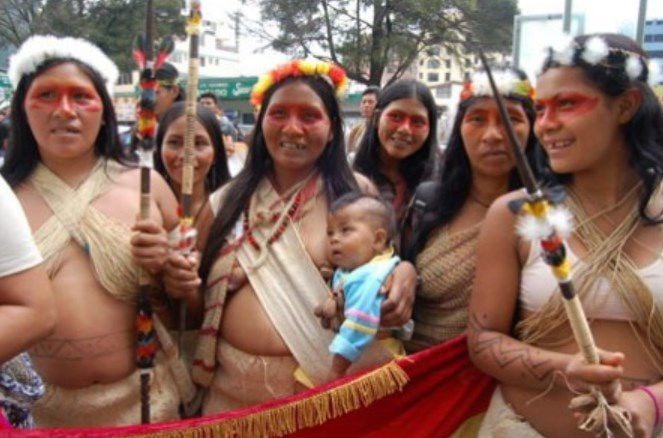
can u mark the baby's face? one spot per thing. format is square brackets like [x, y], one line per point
[352, 238]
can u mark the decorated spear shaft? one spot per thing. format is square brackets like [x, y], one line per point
[146, 348]
[187, 232]
[552, 243]
[146, 343]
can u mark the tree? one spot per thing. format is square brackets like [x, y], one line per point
[366, 37]
[17, 20]
[110, 24]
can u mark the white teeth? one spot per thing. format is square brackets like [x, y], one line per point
[560, 144]
[292, 146]
[401, 142]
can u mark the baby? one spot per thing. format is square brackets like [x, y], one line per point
[359, 229]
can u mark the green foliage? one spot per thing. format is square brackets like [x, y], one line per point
[111, 24]
[369, 37]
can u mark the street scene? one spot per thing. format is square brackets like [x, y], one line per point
[379, 218]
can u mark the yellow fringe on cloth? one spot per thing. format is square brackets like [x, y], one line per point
[308, 412]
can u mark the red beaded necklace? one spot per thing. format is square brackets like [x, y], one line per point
[293, 212]
[290, 214]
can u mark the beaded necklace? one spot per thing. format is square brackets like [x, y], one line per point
[291, 212]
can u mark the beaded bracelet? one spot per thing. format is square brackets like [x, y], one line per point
[651, 394]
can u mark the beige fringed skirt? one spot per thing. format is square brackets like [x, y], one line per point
[243, 379]
[112, 404]
[500, 421]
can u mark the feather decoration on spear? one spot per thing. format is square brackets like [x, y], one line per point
[146, 342]
[544, 220]
[187, 232]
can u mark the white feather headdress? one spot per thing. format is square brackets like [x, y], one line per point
[507, 82]
[595, 51]
[40, 48]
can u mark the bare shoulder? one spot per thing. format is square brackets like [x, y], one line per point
[501, 221]
[365, 184]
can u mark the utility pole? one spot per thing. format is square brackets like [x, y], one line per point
[567, 16]
[640, 30]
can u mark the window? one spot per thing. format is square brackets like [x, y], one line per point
[658, 38]
[447, 63]
[421, 62]
[443, 92]
[202, 61]
[434, 51]
[649, 38]
[468, 62]
[433, 63]
[421, 76]
[466, 76]
[447, 77]
[433, 77]
[449, 51]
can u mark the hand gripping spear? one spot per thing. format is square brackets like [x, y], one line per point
[146, 343]
[187, 232]
[549, 225]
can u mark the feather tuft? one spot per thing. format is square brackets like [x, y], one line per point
[595, 51]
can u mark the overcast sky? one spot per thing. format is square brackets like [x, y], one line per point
[600, 15]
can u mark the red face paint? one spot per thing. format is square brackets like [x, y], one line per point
[482, 116]
[396, 119]
[564, 106]
[303, 114]
[49, 95]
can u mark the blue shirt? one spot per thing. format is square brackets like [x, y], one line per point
[361, 288]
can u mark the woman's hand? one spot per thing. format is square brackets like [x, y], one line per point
[400, 288]
[634, 408]
[180, 276]
[642, 410]
[149, 245]
[605, 375]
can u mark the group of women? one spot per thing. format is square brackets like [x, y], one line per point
[594, 126]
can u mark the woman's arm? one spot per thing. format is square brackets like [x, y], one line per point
[149, 244]
[180, 274]
[27, 310]
[493, 304]
[400, 288]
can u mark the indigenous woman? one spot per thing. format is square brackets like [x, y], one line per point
[265, 263]
[399, 141]
[478, 167]
[210, 169]
[602, 128]
[81, 203]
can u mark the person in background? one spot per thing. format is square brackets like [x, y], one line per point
[168, 89]
[369, 98]
[478, 167]
[396, 150]
[210, 168]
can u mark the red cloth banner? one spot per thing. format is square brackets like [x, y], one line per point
[444, 390]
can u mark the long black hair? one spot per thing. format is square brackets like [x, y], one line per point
[338, 178]
[218, 173]
[644, 132]
[454, 179]
[23, 152]
[417, 165]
